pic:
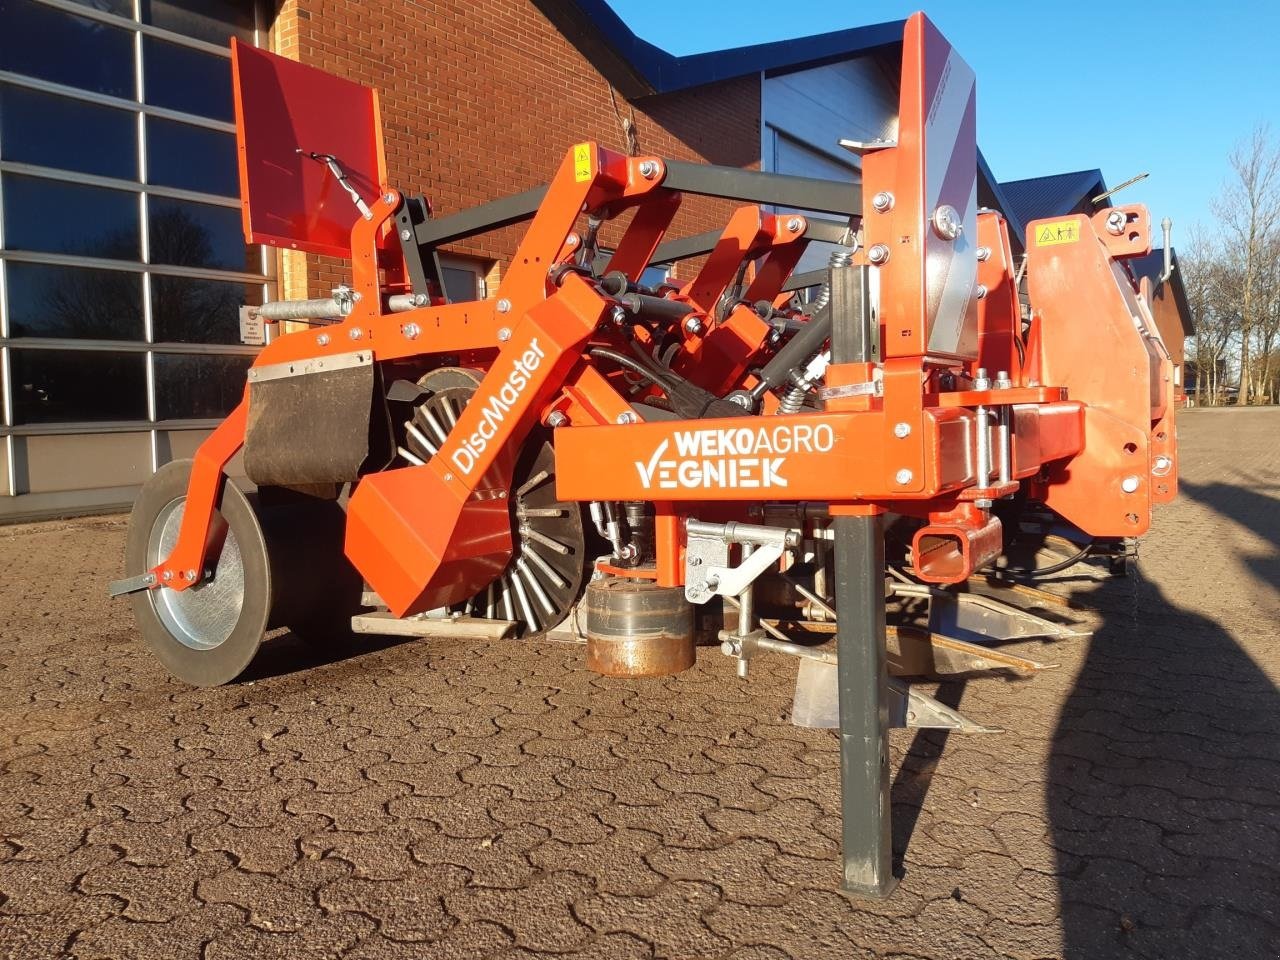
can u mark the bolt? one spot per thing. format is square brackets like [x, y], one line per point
[982, 381]
[556, 418]
[648, 169]
[167, 576]
[323, 339]
[1129, 484]
[502, 494]
[1116, 220]
[904, 476]
[389, 197]
[984, 254]
[1002, 380]
[878, 253]
[504, 305]
[982, 503]
[1162, 466]
[980, 291]
[883, 201]
[411, 331]
[190, 575]
[694, 326]
[355, 333]
[794, 224]
[618, 316]
[504, 334]
[627, 417]
[406, 235]
[448, 477]
[902, 429]
[947, 223]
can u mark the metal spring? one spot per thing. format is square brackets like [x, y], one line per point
[793, 400]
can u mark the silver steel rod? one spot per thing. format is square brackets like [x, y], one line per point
[1004, 443]
[984, 447]
[535, 587]
[551, 574]
[530, 617]
[421, 437]
[546, 541]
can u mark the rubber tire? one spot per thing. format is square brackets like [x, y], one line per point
[225, 662]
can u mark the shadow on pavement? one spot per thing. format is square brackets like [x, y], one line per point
[1164, 784]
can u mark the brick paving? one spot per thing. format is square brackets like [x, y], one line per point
[461, 799]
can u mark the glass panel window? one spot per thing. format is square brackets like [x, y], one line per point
[191, 158]
[213, 20]
[185, 310]
[58, 386]
[198, 386]
[58, 217]
[49, 301]
[461, 285]
[42, 42]
[67, 134]
[181, 78]
[121, 8]
[190, 234]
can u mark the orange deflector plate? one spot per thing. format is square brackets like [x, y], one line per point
[287, 199]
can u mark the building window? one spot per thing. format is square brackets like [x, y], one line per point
[463, 278]
[122, 259]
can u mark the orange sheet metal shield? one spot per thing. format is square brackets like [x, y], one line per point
[290, 200]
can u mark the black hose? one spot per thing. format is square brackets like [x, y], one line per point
[622, 360]
[1035, 573]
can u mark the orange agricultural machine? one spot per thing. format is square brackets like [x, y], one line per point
[769, 460]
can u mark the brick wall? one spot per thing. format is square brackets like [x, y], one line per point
[483, 99]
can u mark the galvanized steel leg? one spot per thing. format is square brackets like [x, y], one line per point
[860, 636]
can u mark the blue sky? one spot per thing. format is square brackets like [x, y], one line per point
[1125, 86]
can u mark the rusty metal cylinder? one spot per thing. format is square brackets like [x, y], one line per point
[636, 628]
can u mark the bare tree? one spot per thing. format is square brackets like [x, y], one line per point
[1249, 211]
[1207, 279]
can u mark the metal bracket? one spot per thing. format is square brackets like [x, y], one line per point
[298, 368]
[143, 581]
[707, 570]
[981, 619]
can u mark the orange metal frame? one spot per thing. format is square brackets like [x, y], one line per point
[1089, 401]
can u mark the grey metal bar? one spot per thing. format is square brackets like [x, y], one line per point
[106, 100]
[112, 183]
[860, 639]
[129, 346]
[488, 216]
[132, 266]
[104, 426]
[753, 186]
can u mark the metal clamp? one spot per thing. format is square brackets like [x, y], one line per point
[143, 581]
[707, 570]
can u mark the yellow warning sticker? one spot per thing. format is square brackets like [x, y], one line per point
[1056, 232]
[582, 162]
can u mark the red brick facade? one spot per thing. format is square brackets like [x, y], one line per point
[482, 99]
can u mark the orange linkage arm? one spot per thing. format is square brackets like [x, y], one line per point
[185, 565]
[589, 177]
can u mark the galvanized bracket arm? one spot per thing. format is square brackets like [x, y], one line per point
[707, 570]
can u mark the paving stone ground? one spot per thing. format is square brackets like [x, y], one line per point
[455, 799]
